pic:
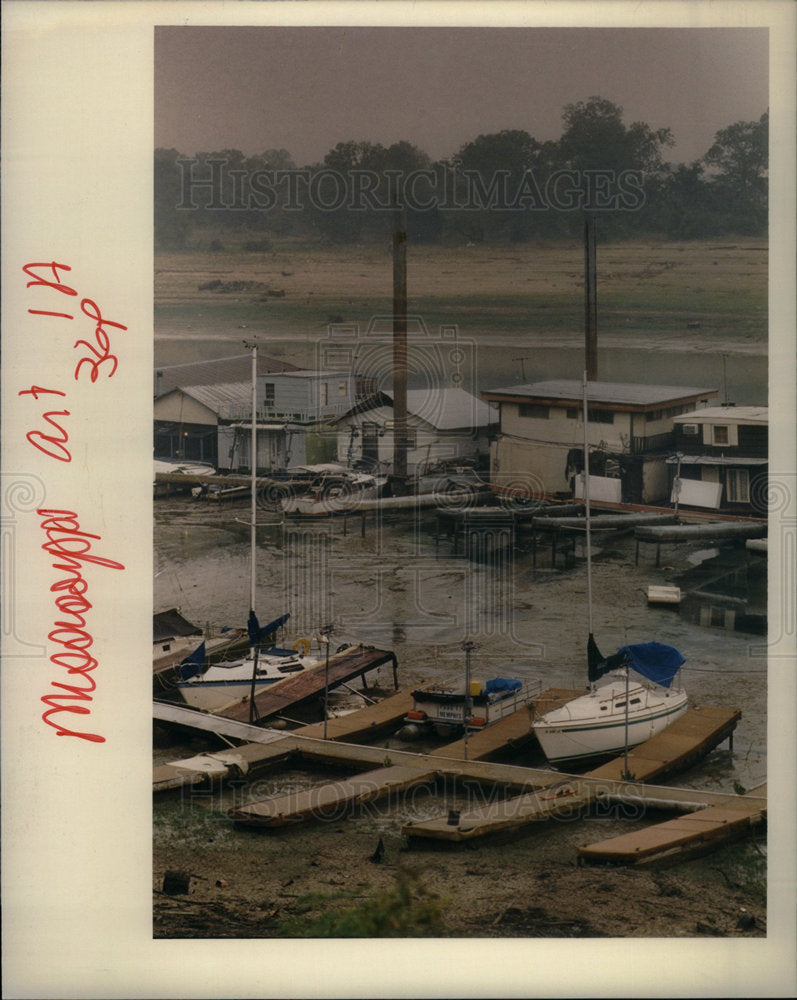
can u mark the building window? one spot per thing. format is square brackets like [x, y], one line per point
[533, 410]
[720, 434]
[324, 393]
[269, 394]
[737, 486]
[600, 416]
[572, 413]
[342, 389]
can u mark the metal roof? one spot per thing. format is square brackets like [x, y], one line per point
[449, 409]
[617, 393]
[725, 415]
[213, 372]
[225, 399]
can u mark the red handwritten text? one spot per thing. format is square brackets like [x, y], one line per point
[53, 440]
[51, 445]
[71, 547]
[101, 350]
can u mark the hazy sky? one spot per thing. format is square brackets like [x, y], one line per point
[307, 88]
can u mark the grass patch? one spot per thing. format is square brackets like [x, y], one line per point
[405, 909]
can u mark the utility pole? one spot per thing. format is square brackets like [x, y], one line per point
[399, 351]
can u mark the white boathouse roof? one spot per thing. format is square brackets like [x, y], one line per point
[610, 394]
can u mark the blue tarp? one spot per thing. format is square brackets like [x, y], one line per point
[502, 684]
[654, 660]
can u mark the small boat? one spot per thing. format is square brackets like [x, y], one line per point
[452, 705]
[212, 687]
[619, 713]
[333, 490]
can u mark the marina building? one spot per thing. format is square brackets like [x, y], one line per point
[539, 448]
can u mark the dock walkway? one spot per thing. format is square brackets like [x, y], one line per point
[697, 732]
[682, 743]
[694, 833]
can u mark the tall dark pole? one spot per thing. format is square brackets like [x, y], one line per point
[399, 351]
[590, 299]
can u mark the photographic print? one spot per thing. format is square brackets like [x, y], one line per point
[424, 375]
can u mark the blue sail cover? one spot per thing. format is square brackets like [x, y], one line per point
[258, 634]
[193, 663]
[654, 660]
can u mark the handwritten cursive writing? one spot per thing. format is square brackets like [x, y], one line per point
[70, 546]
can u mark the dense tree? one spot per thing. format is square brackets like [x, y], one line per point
[171, 225]
[595, 138]
[502, 185]
[739, 163]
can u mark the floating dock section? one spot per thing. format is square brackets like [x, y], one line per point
[696, 833]
[659, 535]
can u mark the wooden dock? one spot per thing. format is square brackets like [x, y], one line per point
[693, 834]
[675, 748]
[366, 723]
[336, 798]
[697, 732]
[523, 795]
[343, 667]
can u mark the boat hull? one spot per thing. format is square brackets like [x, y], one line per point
[582, 732]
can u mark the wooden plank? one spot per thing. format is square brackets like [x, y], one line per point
[303, 687]
[562, 799]
[693, 735]
[365, 722]
[694, 831]
[335, 798]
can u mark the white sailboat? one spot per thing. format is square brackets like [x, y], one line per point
[621, 711]
[212, 688]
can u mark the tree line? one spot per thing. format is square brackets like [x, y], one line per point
[505, 186]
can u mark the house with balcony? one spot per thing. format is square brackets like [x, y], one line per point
[539, 448]
[213, 423]
[720, 459]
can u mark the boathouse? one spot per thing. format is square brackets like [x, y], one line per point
[540, 443]
[720, 459]
[193, 400]
[443, 426]
[213, 423]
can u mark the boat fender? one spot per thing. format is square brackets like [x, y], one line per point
[302, 646]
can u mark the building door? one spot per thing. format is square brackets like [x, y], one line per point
[370, 444]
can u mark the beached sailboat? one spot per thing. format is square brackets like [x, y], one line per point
[622, 710]
[212, 687]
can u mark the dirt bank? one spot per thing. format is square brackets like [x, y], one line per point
[531, 887]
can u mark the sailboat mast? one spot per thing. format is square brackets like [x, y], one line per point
[587, 509]
[253, 516]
